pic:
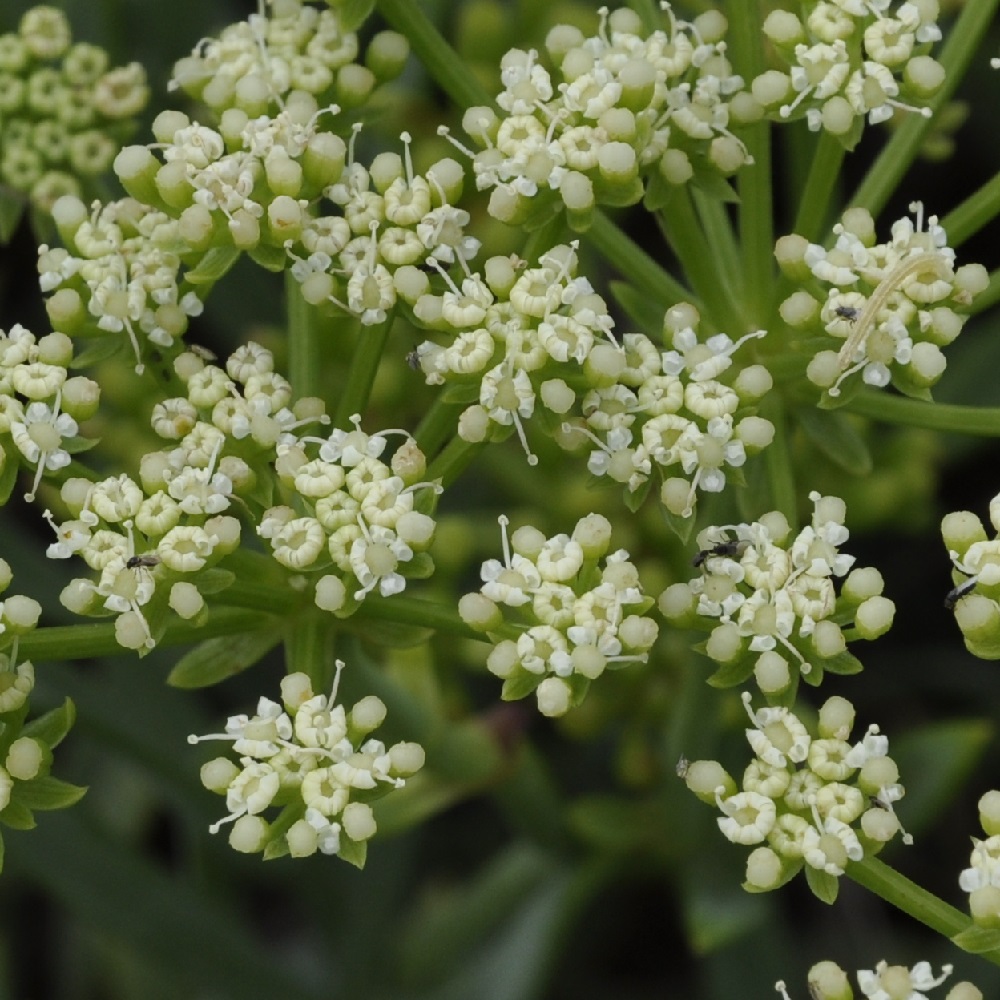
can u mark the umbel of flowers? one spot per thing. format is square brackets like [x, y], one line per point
[828, 981]
[538, 340]
[63, 112]
[849, 60]
[807, 800]
[776, 601]
[557, 616]
[26, 747]
[890, 306]
[619, 113]
[314, 762]
[975, 599]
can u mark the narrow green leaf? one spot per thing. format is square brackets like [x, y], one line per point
[836, 435]
[8, 470]
[353, 852]
[216, 659]
[646, 313]
[978, 940]
[353, 13]
[823, 885]
[519, 686]
[682, 527]
[12, 206]
[731, 674]
[214, 581]
[844, 664]
[213, 266]
[99, 348]
[270, 258]
[17, 816]
[461, 392]
[634, 499]
[48, 793]
[51, 727]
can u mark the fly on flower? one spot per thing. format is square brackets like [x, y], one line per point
[957, 593]
[730, 548]
[145, 561]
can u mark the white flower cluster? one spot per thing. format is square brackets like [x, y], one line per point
[815, 801]
[254, 64]
[780, 616]
[981, 880]
[314, 760]
[40, 405]
[617, 111]
[63, 112]
[849, 59]
[975, 598]
[18, 616]
[566, 618]
[120, 273]
[827, 981]
[365, 519]
[894, 304]
[529, 335]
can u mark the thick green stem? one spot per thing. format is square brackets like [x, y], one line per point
[778, 458]
[438, 425]
[402, 610]
[895, 159]
[815, 205]
[364, 367]
[975, 212]
[309, 648]
[304, 367]
[721, 238]
[688, 241]
[630, 260]
[443, 63]
[453, 461]
[900, 892]
[649, 13]
[978, 420]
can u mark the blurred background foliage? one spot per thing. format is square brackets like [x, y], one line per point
[554, 860]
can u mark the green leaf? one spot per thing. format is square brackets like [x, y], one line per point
[51, 727]
[9, 469]
[813, 677]
[12, 206]
[215, 580]
[398, 635]
[682, 527]
[212, 266]
[17, 817]
[731, 674]
[823, 885]
[843, 663]
[634, 499]
[712, 183]
[460, 392]
[99, 348]
[836, 435]
[519, 685]
[659, 192]
[353, 852]
[224, 656]
[353, 13]
[420, 567]
[48, 793]
[270, 258]
[645, 312]
[977, 940]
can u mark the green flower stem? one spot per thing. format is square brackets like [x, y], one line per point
[688, 240]
[817, 195]
[979, 420]
[649, 13]
[309, 648]
[899, 152]
[84, 642]
[630, 260]
[778, 459]
[756, 209]
[453, 460]
[990, 296]
[304, 368]
[438, 425]
[364, 367]
[260, 583]
[899, 891]
[443, 63]
[975, 212]
[402, 610]
[721, 238]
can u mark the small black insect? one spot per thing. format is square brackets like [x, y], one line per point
[413, 359]
[876, 803]
[957, 593]
[847, 312]
[147, 562]
[729, 548]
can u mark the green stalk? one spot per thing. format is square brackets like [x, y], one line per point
[364, 367]
[309, 648]
[688, 240]
[444, 64]
[979, 420]
[438, 425]
[304, 365]
[815, 204]
[402, 610]
[721, 238]
[900, 892]
[754, 181]
[975, 212]
[778, 458]
[453, 461]
[649, 14]
[900, 151]
[629, 259]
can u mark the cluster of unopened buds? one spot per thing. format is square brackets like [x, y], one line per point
[806, 801]
[63, 112]
[315, 762]
[774, 596]
[893, 305]
[848, 60]
[621, 112]
[828, 981]
[559, 618]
